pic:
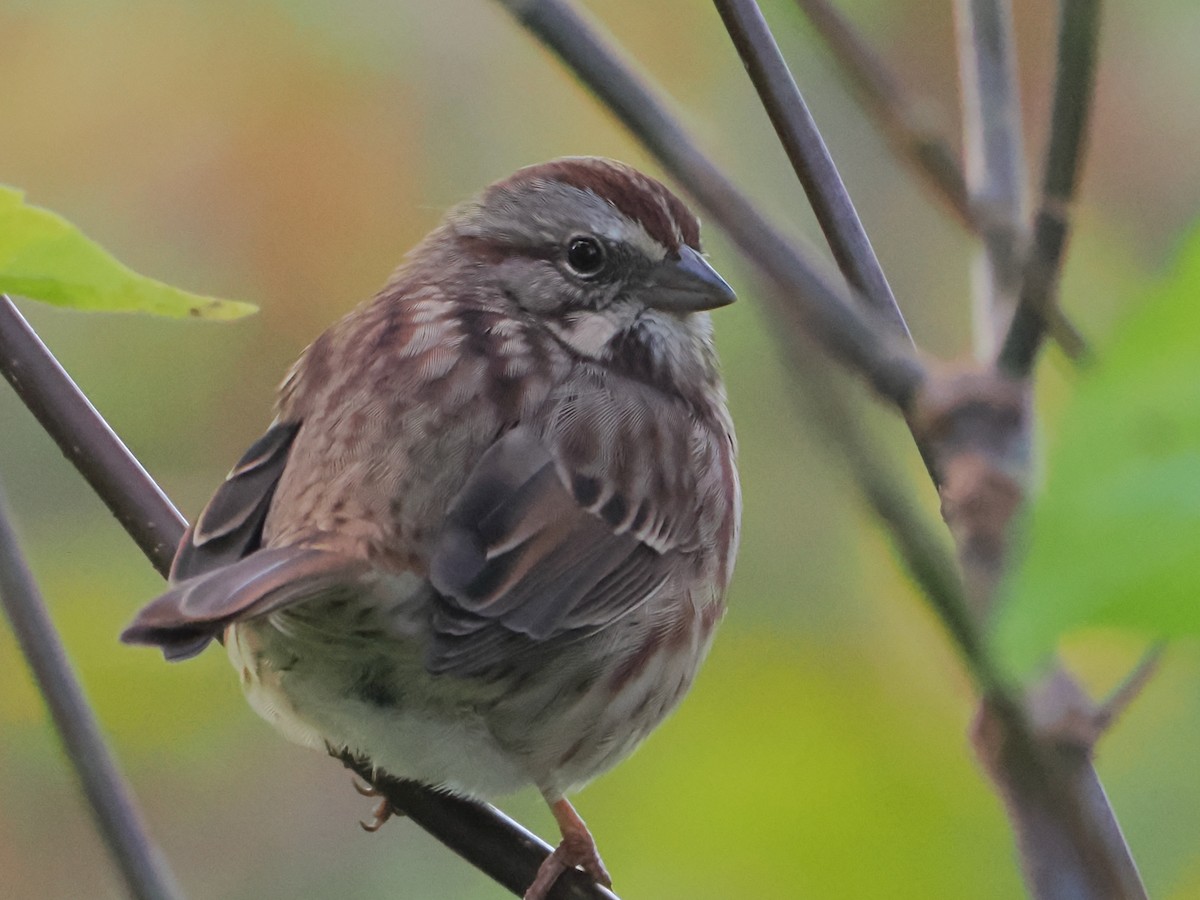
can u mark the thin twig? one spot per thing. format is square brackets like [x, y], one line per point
[1079, 29]
[808, 298]
[901, 117]
[917, 540]
[144, 511]
[1115, 704]
[809, 156]
[1067, 335]
[140, 862]
[909, 125]
[995, 167]
[112, 471]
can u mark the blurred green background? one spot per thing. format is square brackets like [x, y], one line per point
[288, 153]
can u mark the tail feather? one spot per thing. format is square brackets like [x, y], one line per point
[197, 610]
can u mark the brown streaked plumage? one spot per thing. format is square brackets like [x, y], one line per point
[487, 539]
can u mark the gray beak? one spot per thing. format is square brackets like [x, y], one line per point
[687, 284]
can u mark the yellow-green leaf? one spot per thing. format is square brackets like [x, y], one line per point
[45, 257]
[1114, 540]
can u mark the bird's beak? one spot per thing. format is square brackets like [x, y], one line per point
[686, 284]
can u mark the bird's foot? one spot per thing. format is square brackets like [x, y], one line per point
[577, 848]
[382, 812]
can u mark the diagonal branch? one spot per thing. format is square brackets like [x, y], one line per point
[513, 853]
[907, 124]
[112, 805]
[1079, 29]
[477, 832]
[1130, 688]
[809, 156]
[917, 541]
[807, 298]
[976, 425]
[1069, 841]
[901, 117]
[66, 414]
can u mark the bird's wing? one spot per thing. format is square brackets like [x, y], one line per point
[529, 553]
[230, 527]
[220, 572]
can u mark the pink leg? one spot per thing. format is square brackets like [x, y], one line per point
[577, 848]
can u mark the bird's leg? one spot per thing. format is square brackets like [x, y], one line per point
[577, 848]
[383, 811]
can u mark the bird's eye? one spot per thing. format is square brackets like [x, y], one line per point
[585, 255]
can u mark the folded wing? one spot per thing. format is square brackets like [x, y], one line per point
[221, 574]
[522, 561]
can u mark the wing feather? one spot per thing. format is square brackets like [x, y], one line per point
[230, 527]
[522, 560]
[220, 573]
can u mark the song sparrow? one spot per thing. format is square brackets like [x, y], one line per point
[488, 536]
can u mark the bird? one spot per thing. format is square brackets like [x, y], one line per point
[487, 539]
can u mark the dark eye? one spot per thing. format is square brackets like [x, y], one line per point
[585, 255]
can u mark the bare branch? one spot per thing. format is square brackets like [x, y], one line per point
[808, 299]
[1069, 338]
[141, 863]
[1060, 711]
[976, 426]
[907, 123]
[1039, 758]
[1037, 751]
[1069, 840]
[992, 141]
[1079, 29]
[809, 156]
[87, 441]
[917, 540]
[145, 512]
[511, 853]
[900, 116]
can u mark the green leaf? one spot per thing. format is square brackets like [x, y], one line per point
[1115, 538]
[45, 257]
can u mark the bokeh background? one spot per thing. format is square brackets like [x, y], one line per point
[288, 153]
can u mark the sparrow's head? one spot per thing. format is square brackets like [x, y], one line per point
[606, 258]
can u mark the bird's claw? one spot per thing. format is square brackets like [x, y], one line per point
[363, 788]
[382, 812]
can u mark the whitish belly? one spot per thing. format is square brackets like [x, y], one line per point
[327, 682]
